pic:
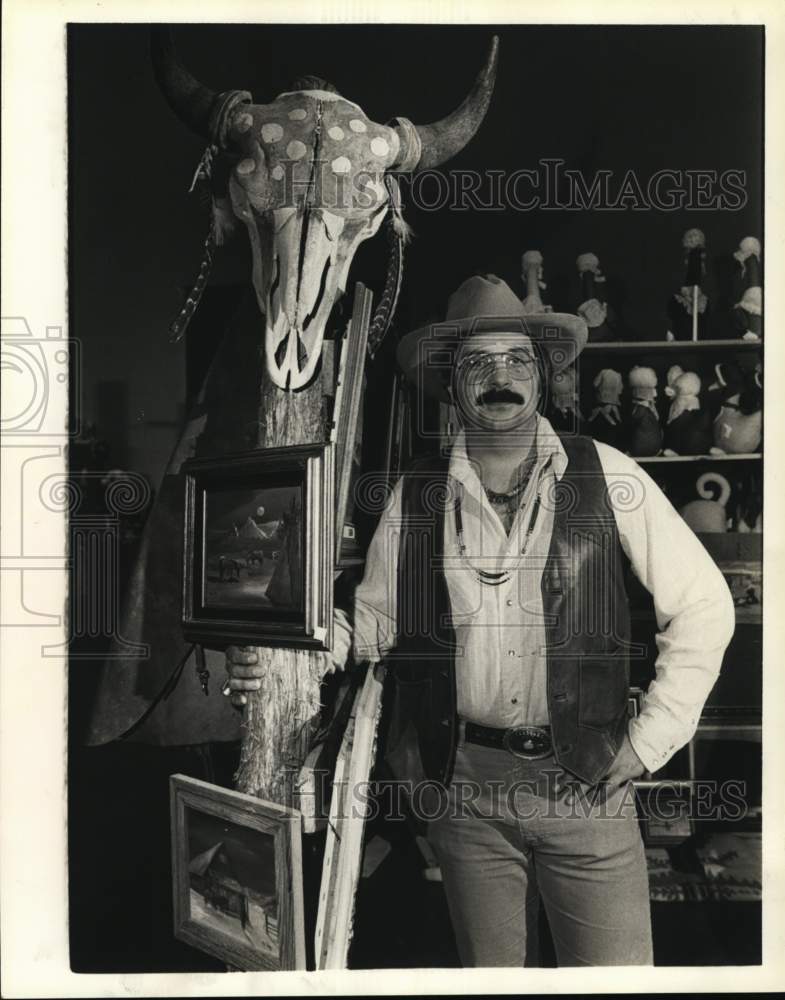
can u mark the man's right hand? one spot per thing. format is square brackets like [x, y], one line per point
[245, 672]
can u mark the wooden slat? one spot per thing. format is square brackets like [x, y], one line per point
[343, 850]
[347, 403]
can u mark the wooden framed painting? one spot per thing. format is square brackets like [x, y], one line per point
[259, 549]
[665, 812]
[237, 876]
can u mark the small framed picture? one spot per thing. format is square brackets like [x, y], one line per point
[634, 702]
[665, 813]
[237, 876]
[259, 549]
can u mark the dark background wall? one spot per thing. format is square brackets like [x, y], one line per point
[615, 98]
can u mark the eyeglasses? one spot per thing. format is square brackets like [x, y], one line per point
[480, 364]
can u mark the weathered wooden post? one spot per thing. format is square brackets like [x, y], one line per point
[280, 717]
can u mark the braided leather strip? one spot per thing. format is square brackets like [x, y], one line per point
[385, 310]
[180, 324]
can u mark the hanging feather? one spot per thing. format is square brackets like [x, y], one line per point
[401, 227]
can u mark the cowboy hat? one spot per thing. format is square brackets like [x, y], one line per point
[486, 304]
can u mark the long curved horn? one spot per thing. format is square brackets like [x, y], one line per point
[196, 105]
[427, 146]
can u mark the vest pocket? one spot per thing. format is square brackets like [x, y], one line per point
[411, 709]
[603, 691]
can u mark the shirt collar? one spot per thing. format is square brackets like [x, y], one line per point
[547, 444]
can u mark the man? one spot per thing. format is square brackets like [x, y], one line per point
[494, 587]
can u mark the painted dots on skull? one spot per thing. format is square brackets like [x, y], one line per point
[271, 132]
[296, 150]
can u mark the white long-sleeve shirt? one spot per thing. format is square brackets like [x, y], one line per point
[501, 659]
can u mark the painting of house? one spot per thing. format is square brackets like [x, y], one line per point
[232, 888]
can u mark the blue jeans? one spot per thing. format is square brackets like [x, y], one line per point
[516, 828]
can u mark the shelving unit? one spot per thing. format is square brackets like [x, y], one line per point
[653, 459]
[748, 732]
[728, 721]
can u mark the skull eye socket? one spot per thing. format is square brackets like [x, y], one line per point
[281, 350]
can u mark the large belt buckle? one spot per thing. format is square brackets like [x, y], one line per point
[527, 742]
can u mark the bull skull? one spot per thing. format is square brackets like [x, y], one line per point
[308, 180]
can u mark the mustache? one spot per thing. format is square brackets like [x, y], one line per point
[499, 396]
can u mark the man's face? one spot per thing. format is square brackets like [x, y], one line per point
[496, 382]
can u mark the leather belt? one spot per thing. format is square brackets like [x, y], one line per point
[527, 742]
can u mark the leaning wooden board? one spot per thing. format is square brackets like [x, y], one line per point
[348, 397]
[343, 849]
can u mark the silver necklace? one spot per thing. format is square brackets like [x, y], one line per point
[500, 499]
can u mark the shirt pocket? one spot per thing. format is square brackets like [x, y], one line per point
[466, 595]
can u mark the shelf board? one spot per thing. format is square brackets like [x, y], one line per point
[745, 614]
[622, 346]
[675, 783]
[743, 732]
[751, 456]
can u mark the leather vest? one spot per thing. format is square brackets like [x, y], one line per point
[587, 627]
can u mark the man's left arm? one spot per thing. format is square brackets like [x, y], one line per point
[692, 602]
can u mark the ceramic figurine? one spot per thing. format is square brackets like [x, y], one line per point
[605, 421]
[738, 427]
[728, 381]
[644, 431]
[749, 508]
[708, 514]
[687, 308]
[748, 311]
[563, 409]
[593, 307]
[532, 275]
[688, 427]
